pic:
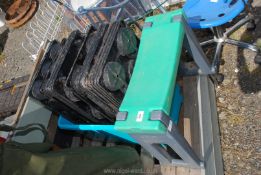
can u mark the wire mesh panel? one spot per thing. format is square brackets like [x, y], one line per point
[46, 24]
[152, 4]
[47, 21]
[106, 11]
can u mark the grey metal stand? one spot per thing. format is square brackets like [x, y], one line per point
[157, 144]
[200, 105]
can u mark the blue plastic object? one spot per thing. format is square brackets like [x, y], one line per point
[212, 13]
[67, 125]
[174, 115]
[176, 105]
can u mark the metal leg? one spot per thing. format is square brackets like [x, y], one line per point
[218, 32]
[242, 44]
[238, 25]
[154, 143]
[211, 41]
[182, 147]
[209, 127]
[218, 77]
[194, 48]
[216, 61]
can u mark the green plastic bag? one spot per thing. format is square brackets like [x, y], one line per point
[37, 159]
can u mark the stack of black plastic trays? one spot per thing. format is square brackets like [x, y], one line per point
[105, 72]
[48, 86]
[85, 77]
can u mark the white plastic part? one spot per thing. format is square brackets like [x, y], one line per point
[150, 4]
[2, 18]
[76, 4]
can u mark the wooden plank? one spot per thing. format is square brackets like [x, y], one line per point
[191, 111]
[52, 127]
[187, 131]
[24, 99]
[172, 170]
[190, 127]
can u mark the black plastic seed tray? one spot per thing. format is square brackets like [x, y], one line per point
[96, 111]
[49, 84]
[104, 74]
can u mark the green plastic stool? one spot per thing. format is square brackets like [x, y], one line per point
[145, 110]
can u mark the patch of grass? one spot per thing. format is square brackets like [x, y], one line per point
[258, 43]
[2, 57]
[236, 35]
[243, 35]
[247, 37]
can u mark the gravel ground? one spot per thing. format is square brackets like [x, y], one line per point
[15, 60]
[239, 106]
[238, 98]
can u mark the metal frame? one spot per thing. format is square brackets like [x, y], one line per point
[221, 37]
[46, 24]
[209, 127]
[208, 157]
[156, 143]
[47, 21]
[119, 8]
[192, 44]
[172, 137]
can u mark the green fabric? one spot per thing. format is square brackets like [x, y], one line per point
[153, 80]
[36, 159]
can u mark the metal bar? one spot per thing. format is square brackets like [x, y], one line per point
[210, 136]
[211, 41]
[242, 44]
[238, 25]
[173, 139]
[141, 5]
[97, 16]
[153, 143]
[216, 60]
[182, 147]
[157, 4]
[194, 47]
